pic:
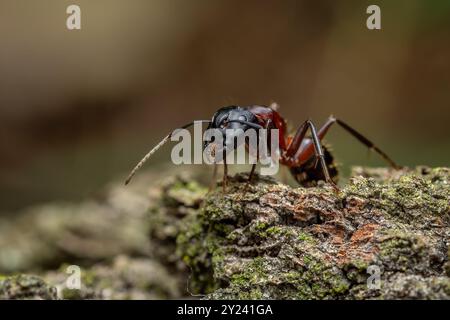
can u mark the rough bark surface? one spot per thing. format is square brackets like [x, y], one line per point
[277, 242]
[270, 242]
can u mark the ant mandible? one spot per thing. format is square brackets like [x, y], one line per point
[300, 153]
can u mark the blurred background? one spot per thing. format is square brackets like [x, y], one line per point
[79, 108]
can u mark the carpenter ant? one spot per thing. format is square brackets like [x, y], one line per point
[300, 153]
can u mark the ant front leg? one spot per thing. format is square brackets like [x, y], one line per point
[247, 184]
[297, 154]
[225, 174]
[252, 171]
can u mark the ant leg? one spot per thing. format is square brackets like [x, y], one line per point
[319, 154]
[296, 141]
[225, 174]
[366, 142]
[252, 171]
[332, 120]
[294, 151]
[247, 184]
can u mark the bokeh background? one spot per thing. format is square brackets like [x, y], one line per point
[79, 108]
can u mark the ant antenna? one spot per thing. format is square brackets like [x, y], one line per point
[159, 145]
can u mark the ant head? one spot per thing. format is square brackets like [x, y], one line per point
[234, 117]
[232, 122]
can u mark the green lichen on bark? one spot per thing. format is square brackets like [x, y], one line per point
[123, 278]
[123, 240]
[166, 237]
[26, 287]
[279, 242]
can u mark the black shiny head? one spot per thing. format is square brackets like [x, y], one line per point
[233, 121]
[234, 117]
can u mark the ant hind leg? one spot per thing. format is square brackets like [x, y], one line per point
[367, 143]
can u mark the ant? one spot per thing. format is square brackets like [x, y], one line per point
[299, 152]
